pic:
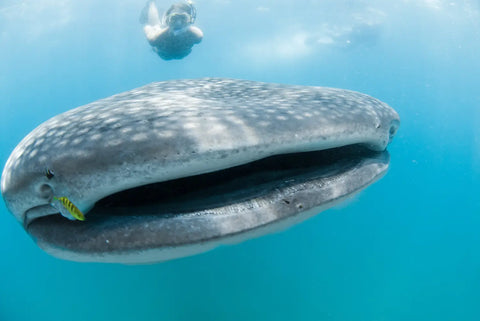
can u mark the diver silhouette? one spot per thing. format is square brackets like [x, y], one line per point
[174, 36]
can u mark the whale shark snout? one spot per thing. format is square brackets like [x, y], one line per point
[178, 167]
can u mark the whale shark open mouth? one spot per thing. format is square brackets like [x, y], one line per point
[233, 185]
[215, 205]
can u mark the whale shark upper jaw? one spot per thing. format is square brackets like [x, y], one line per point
[177, 167]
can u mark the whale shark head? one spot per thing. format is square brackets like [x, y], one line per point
[175, 168]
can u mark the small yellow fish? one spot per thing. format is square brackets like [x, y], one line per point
[72, 209]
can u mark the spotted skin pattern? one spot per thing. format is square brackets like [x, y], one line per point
[176, 119]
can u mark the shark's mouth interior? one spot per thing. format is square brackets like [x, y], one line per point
[137, 218]
[229, 186]
[232, 185]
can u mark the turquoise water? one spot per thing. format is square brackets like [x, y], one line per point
[407, 248]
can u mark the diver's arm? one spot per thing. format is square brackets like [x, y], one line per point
[197, 33]
[153, 32]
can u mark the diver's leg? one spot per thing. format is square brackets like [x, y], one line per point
[153, 32]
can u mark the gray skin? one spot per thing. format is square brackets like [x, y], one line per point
[176, 129]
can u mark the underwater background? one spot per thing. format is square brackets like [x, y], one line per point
[407, 248]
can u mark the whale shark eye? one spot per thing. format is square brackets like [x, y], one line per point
[49, 173]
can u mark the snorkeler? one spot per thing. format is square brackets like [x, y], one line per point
[175, 35]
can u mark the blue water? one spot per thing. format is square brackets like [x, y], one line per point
[407, 248]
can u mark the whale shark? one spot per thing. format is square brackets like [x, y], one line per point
[178, 167]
